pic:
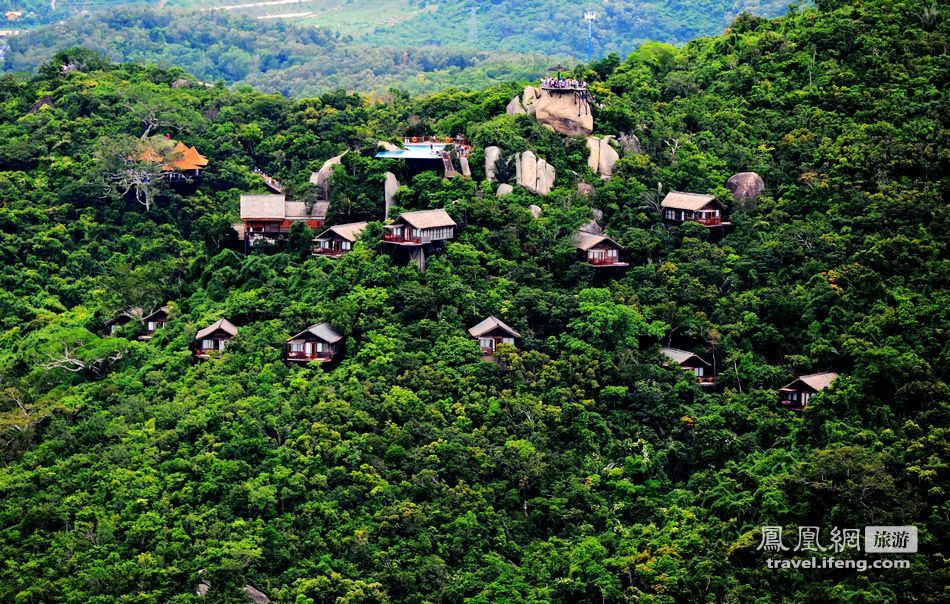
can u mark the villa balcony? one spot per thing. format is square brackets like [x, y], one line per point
[398, 238]
[606, 262]
[331, 252]
[303, 357]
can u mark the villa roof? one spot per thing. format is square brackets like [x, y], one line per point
[681, 356]
[583, 240]
[815, 381]
[324, 331]
[277, 207]
[349, 231]
[262, 206]
[222, 324]
[490, 324]
[163, 309]
[688, 201]
[187, 158]
[126, 316]
[427, 219]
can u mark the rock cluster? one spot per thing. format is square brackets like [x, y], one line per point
[492, 155]
[326, 170]
[534, 174]
[745, 185]
[531, 172]
[389, 191]
[602, 156]
[565, 113]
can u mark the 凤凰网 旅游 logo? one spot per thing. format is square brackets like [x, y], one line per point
[824, 544]
[890, 539]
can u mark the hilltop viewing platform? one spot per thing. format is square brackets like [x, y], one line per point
[563, 84]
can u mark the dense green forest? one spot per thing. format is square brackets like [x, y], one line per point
[270, 55]
[579, 468]
[364, 45]
[544, 26]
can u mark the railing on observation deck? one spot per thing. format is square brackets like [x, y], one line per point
[572, 88]
[710, 221]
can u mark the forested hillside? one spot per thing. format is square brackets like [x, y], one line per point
[271, 55]
[579, 467]
[365, 45]
[546, 26]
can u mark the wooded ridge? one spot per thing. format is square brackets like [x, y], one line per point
[589, 460]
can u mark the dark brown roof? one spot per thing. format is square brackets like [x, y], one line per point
[126, 316]
[163, 309]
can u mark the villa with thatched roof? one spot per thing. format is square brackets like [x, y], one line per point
[213, 339]
[678, 207]
[491, 333]
[796, 394]
[316, 343]
[270, 216]
[337, 240]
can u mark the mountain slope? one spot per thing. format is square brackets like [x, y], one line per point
[272, 56]
[581, 468]
[358, 44]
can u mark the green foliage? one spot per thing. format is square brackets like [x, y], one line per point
[577, 467]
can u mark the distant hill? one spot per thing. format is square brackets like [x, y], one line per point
[271, 55]
[309, 46]
[545, 26]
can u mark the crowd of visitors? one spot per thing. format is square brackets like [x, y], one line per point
[567, 83]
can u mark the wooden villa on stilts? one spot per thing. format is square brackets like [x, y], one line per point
[337, 240]
[116, 323]
[678, 207]
[491, 333]
[318, 343]
[267, 218]
[420, 233]
[796, 395]
[213, 339]
[598, 251]
[153, 322]
[693, 363]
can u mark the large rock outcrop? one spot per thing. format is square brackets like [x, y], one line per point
[529, 99]
[322, 177]
[566, 113]
[534, 174]
[492, 154]
[602, 156]
[515, 107]
[745, 185]
[389, 191]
